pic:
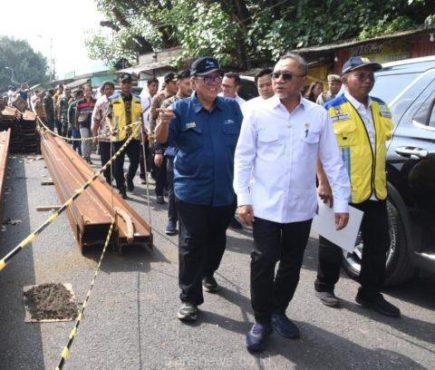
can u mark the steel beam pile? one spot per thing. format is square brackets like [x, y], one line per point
[4, 151]
[92, 212]
[24, 135]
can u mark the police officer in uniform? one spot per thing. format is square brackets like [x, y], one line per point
[362, 125]
[125, 115]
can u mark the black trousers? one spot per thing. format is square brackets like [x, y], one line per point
[59, 127]
[374, 233]
[132, 150]
[202, 241]
[172, 209]
[161, 178]
[147, 158]
[275, 242]
[105, 154]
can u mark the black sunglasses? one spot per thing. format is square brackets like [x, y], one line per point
[286, 76]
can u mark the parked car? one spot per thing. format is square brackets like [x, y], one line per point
[408, 87]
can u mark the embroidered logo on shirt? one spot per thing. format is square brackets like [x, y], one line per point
[190, 125]
[228, 122]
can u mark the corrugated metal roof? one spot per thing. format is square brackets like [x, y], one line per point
[342, 45]
[77, 83]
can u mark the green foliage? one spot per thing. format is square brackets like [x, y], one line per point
[25, 65]
[234, 31]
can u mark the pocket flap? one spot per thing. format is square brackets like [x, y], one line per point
[230, 129]
[267, 136]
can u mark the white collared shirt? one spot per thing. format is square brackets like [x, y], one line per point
[366, 116]
[252, 103]
[279, 151]
[237, 98]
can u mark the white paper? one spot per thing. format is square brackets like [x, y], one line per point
[324, 224]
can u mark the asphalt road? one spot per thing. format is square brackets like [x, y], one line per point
[130, 321]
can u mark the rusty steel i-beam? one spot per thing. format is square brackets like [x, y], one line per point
[92, 212]
[5, 137]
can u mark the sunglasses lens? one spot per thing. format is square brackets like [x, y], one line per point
[286, 76]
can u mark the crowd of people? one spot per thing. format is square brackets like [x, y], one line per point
[270, 158]
[213, 153]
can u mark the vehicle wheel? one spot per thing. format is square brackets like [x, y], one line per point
[399, 262]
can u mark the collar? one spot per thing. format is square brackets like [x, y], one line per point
[274, 102]
[124, 96]
[197, 106]
[355, 102]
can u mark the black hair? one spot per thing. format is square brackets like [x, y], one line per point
[153, 80]
[235, 76]
[263, 72]
[105, 83]
[182, 75]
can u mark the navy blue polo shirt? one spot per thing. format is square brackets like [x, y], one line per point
[205, 142]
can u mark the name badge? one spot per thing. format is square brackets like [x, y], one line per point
[340, 117]
[190, 125]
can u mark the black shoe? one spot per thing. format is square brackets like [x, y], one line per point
[235, 224]
[130, 185]
[187, 312]
[328, 299]
[257, 337]
[123, 194]
[160, 199]
[171, 228]
[142, 176]
[284, 326]
[378, 304]
[209, 284]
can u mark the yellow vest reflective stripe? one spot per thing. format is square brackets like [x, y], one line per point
[119, 121]
[365, 166]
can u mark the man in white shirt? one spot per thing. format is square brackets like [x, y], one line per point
[278, 147]
[146, 97]
[263, 81]
[230, 87]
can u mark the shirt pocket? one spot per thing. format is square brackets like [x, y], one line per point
[265, 136]
[191, 136]
[345, 131]
[231, 134]
[311, 137]
[269, 146]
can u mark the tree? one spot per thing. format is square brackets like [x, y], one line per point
[243, 32]
[20, 63]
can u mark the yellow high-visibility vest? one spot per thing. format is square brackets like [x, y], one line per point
[119, 121]
[365, 166]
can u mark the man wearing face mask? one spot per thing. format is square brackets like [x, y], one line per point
[204, 128]
[362, 125]
[278, 147]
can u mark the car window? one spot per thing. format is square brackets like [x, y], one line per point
[388, 86]
[432, 117]
[425, 115]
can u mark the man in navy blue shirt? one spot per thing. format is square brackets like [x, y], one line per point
[204, 128]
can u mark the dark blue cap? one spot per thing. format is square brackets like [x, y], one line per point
[125, 77]
[359, 62]
[204, 66]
